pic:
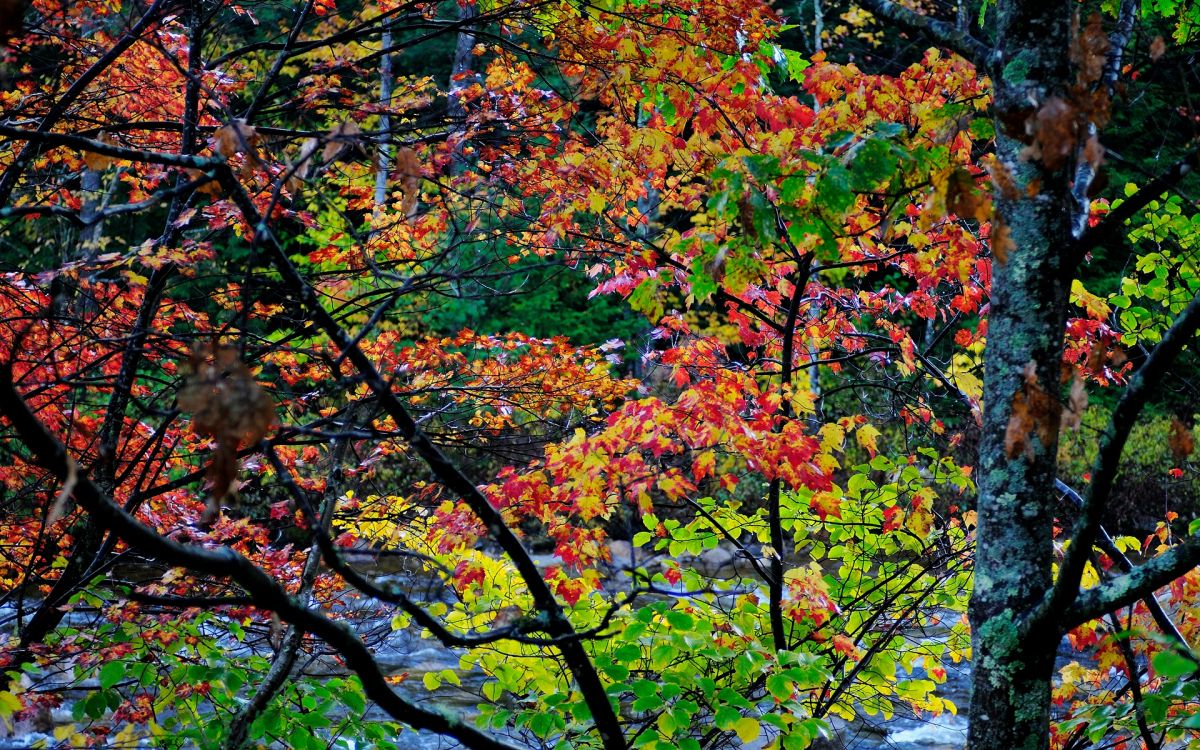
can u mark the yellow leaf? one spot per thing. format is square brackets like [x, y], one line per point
[867, 435]
[919, 521]
[9, 705]
[1096, 307]
[832, 437]
[747, 729]
[596, 201]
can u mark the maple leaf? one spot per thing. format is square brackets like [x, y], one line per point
[99, 162]
[867, 437]
[825, 504]
[845, 645]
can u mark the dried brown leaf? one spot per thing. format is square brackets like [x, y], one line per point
[62, 500]
[408, 169]
[344, 143]
[1077, 401]
[1053, 130]
[235, 138]
[1089, 49]
[1158, 48]
[963, 198]
[305, 159]
[1093, 152]
[1035, 412]
[228, 405]
[1002, 180]
[212, 188]
[1001, 241]
[1181, 441]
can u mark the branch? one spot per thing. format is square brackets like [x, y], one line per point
[8, 181]
[280, 59]
[1137, 584]
[289, 647]
[389, 595]
[775, 583]
[941, 33]
[107, 149]
[1108, 457]
[1085, 172]
[1106, 545]
[576, 658]
[1113, 223]
[48, 453]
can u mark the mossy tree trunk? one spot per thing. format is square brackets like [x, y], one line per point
[1013, 646]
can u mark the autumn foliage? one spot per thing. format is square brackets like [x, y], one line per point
[241, 410]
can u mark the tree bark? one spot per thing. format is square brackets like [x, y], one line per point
[1013, 651]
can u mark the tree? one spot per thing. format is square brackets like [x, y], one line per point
[238, 232]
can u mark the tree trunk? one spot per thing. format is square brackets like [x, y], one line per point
[1013, 652]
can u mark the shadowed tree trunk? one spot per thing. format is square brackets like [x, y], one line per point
[1014, 649]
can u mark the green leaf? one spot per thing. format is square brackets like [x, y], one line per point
[1173, 664]
[649, 703]
[354, 700]
[780, 687]
[111, 673]
[796, 64]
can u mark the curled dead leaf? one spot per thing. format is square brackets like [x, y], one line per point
[1089, 49]
[1001, 241]
[344, 143]
[1077, 401]
[1093, 152]
[227, 405]
[1181, 441]
[1158, 48]
[62, 500]
[235, 138]
[1035, 412]
[210, 187]
[1053, 131]
[963, 199]
[408, 169]
[1002, 179]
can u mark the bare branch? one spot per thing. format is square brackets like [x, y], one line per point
[1137, 584]
[1108, 457]
[942, 33]
[48, 453]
